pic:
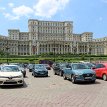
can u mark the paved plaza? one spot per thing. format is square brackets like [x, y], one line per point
[54, 91]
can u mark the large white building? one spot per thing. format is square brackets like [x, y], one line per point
[51, 36]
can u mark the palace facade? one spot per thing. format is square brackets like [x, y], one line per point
[51, 36]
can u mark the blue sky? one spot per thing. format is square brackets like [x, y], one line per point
[87, 15]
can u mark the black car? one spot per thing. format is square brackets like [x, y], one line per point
[22, 68]
[39, 70]
[47, 66]
[58, 68]
[30, 67]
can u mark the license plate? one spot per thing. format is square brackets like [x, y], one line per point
[10, 81]
[88, 77]
[41, 73]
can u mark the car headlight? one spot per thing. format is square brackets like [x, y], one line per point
[2, 77]
[20, 76]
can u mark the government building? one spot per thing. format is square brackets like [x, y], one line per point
[51, 37]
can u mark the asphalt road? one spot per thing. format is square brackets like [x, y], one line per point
[54, 91]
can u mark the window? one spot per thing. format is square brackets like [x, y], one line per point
[100, 66]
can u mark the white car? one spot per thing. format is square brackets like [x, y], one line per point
[10, 75]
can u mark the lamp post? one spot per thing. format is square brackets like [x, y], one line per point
[54, 50]
[7, 48]
[90, 54]
[74, 50]
[89, 50]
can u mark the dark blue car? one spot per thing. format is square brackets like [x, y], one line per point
[58, 68]
[79, 72]
[39, 70]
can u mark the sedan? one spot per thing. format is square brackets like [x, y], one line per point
[21, 68]
[101, 70]
[47, 66]
[79, 72]
[39, 70]
[58, 68]
[11, 75]
[30, 67]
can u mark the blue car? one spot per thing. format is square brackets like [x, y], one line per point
[78, 72]
[39, 70]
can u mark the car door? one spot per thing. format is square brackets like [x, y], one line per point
[99, 69]
[69, 71]
[56, 68]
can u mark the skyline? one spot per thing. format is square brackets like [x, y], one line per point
[86, 16]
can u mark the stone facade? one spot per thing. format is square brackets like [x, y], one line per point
[51, 36]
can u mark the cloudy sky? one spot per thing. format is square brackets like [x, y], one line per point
[87, 15]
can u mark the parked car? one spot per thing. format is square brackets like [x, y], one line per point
[49, 62]
[39, 70]
[21, 68]
[10, 75]
[58, 68]
[30, 67]
[89, 64]
[101, 70]
[79, 72]
[47, 66]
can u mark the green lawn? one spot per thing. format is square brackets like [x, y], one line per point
[57, 58]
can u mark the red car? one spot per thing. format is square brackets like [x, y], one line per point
[101, 70]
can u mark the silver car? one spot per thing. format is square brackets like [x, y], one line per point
[11, 75]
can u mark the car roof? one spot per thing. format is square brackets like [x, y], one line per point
[103, 64]
[9, 65]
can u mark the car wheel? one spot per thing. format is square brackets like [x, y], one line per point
[64, 77]
[60, 73]
[46, 75]
[24, 75]
[93, 81]
[104, 77]
[73, 79]
[54, 73]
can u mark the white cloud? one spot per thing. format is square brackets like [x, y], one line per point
[10, 4]
[18, 12]
[22, 11]
[11, 17]
[42, 8]
[48, 8]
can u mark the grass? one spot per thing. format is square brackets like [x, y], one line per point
[57, 59]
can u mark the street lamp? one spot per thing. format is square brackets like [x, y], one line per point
[90, 54]
[54, 50]
[7, 48]
[74, 50]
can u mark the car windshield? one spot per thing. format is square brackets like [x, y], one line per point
[79, 66]
[90, 65]
[39, 67]
[10, 69]
[46, 65]
[63, 65]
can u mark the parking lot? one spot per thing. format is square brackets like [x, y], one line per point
[54, 91]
